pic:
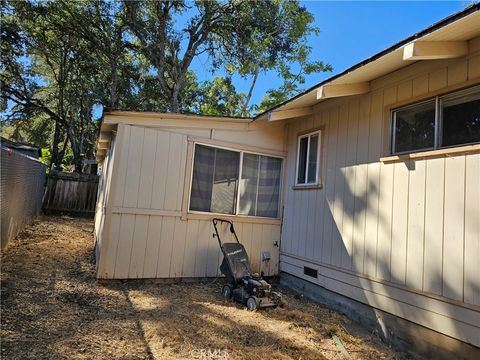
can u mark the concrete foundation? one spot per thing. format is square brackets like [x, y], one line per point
[399, 333]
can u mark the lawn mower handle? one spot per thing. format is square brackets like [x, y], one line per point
[216, 234]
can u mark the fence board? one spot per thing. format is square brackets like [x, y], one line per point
[71, 193]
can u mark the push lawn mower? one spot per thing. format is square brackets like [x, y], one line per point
[244, 286]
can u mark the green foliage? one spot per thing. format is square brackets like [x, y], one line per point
[219, 97]
[45, 156]
[63, 60]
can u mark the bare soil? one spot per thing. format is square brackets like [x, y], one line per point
[54, 308]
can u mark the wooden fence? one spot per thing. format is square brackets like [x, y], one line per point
[70, 193]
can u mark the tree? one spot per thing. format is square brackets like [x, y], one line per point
[248, 37]
[64, 60]
[218, 97]
[50, 70]
[278, 45]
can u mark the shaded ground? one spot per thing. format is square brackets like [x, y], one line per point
[53, 307]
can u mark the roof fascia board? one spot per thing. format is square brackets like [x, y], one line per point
[338, 90]
[434, 50]
[289, 114]
[174, 116]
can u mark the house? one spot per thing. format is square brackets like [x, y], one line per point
[369, 183]
[22, 148]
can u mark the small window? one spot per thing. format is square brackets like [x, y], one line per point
[443, 121]
[235, 182]
[308, 156]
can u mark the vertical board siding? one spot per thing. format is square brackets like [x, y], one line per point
[350, 183]
[338, 246]
[453, 230]
[175, 165]
[148, 158]
[121, 165]
[360, 191]
[472, 230]
[124, 246]
[154, 232]
[151, 176]
[160, 174]
[329, 229]
[399, 222]
[134, 167]
[414, 223]
[166, 247]
[319, 201]
[137, 256]
[433, 248]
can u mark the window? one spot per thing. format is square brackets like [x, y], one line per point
[235, 182]
[308, 159]
[448, 120]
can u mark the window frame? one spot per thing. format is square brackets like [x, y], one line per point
[241, 151]
[308, 135]
[437, 141]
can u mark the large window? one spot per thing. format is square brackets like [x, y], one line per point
[235, 182]
[448, 120]
[308, 159]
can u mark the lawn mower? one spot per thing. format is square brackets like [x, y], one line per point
[244, 286]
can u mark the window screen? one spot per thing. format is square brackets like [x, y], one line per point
[216, 185]
[260, 185]
[215, 179]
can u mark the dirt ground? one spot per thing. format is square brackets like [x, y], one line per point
[54, 308]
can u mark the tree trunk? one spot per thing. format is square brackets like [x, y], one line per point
[77, 156]
[56, 140]
[61, 154]
[174, 103]
[114, 81]
[250, 92]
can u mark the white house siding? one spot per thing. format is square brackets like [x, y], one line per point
[144, 234]
[403, 237]
[103, 191]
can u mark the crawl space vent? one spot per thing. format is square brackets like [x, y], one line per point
[310, 272]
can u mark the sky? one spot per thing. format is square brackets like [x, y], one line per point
[351, 31]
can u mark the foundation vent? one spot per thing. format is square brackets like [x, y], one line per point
[310, 272]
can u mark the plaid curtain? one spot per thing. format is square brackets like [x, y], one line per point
[215, 178]
[202, 181]
[248, 185]
[260, 185]
[224, 190]
[215, 182]
[269, 186]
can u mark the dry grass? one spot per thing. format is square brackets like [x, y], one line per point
[53, 308]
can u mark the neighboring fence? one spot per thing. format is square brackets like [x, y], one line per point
[21, 187]
[70, 193]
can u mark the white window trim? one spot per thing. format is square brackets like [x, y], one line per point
[317, 168]
[437, 141]
[238, 150]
